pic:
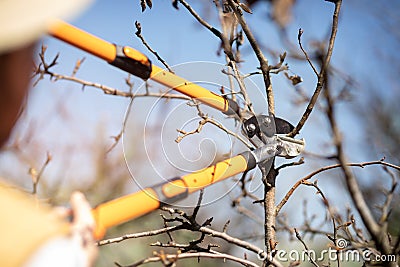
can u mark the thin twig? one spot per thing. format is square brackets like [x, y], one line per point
[226, 44]
[206, 119]
[322, 73]
[305, 52]
[113, 91]
[396, 247]
[242, 87]
[172, 258]
[229, 26]
[78, 65]
[323, 169]
[248, 213]
[332, 215]
[305, 247]
[36, 176]
[137, 235]
[138, 33]
[244, 192]
[224, 40]
[192, 246]
[389, 197]
[268, 175]
[188, 222]
[264, 67]
[294, 163]
[44, 69]
[377, 232]
[251, 74]
[185, 134]
[232, 240]
[200, 20]
[240, 80]
[124, 123]
[225, 227]
[199, 200]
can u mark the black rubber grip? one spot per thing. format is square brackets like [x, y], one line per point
[233, 107]
[165, 200]
[130, 65]
[251, 160]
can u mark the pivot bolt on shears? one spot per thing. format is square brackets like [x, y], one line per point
[265, 132]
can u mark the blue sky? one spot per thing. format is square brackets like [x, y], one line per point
[178, 38]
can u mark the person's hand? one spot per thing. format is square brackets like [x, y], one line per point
[83, 226]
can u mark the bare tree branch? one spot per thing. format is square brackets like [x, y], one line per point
[322, 73]
[305, 53]
[227, 47]
[225, 42]
[206, 119]
[295, 163]
[172, 258]
[260, 56]
[137, 235]
[44, 69]
[124, 123]
[323, 169]
[389, 198]
[305, 247]
[36, 176]
[138, 33]
[377, 232]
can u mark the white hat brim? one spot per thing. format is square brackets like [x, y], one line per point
[24, 21]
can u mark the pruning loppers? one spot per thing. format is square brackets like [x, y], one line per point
[265, 132]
